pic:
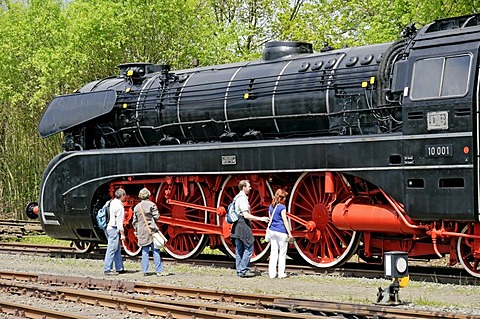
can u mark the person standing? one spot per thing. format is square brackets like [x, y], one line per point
[280, 234]
[145, 217]
[114, 232]
[242, 234]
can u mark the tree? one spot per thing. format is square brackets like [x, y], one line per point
[54, 47]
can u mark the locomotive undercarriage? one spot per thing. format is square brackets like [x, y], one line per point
[192, 217]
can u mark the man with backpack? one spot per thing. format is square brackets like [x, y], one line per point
[242, 234]
[114, 231]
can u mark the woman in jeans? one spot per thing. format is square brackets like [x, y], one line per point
[279, 235]
[150, 213]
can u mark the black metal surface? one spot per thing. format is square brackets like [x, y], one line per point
[67, 111]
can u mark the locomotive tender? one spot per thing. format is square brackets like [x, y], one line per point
[377, 145]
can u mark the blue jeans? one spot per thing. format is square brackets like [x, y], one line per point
[146, 259]
[243, 253]
[114, 250]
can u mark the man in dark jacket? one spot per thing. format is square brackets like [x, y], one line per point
[242, 234]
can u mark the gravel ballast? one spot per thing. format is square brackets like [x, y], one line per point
[419, 295]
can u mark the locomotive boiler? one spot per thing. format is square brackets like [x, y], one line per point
[377, 145]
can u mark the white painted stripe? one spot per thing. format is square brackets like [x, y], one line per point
[329, 169]
[225, 99]
[327, 92]
[273, 94]
[178, 103]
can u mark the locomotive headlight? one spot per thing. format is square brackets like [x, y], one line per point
[396, 264]
[136, 74]
[401, 265]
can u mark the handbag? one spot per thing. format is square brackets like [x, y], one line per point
[268, 236]
[159, 240]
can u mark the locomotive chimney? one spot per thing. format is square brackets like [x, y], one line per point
[279, 49]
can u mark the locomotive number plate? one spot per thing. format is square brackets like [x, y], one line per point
[437, 120]
[441, 150]
[229, 160]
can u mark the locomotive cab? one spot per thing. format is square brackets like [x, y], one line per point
[439, 99]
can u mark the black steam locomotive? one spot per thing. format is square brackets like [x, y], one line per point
[377, 145]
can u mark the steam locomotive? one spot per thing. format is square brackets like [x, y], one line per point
[377, 145]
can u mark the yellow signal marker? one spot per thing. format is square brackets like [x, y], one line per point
[403, 282]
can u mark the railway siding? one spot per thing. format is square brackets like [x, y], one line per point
[422, 296]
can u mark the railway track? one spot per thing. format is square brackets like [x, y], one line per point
[18, 228]
[21, 228]
[445, 275]
[180, 302]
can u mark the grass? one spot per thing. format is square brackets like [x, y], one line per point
[209, 251]
[422, 301]
[39, 240]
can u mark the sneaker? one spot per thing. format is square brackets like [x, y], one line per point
[110, 273]
[283, 276]
[163, 273]
[123, 271]
[248, 274]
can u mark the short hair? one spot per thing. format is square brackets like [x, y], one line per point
[144, 193]
[243, 183]
[120, 192]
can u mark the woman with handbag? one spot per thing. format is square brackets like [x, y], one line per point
[278, 231]
[144, 222]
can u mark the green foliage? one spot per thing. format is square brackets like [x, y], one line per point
[52, 47]
[40, 240]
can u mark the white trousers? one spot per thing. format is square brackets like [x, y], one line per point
[278, 254]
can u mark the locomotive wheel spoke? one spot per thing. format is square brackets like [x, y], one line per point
[130, 244]
[83, 246]
[310, 202]
[182, 242]
[229, 190]
[465, 253]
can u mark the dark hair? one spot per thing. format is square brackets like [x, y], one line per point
[280, 197]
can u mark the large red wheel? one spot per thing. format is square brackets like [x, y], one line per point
[130, 244]
[465, 253]
[228, 192]
[328, 246]
[183, 242]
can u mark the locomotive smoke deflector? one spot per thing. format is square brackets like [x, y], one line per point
[67, 111]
